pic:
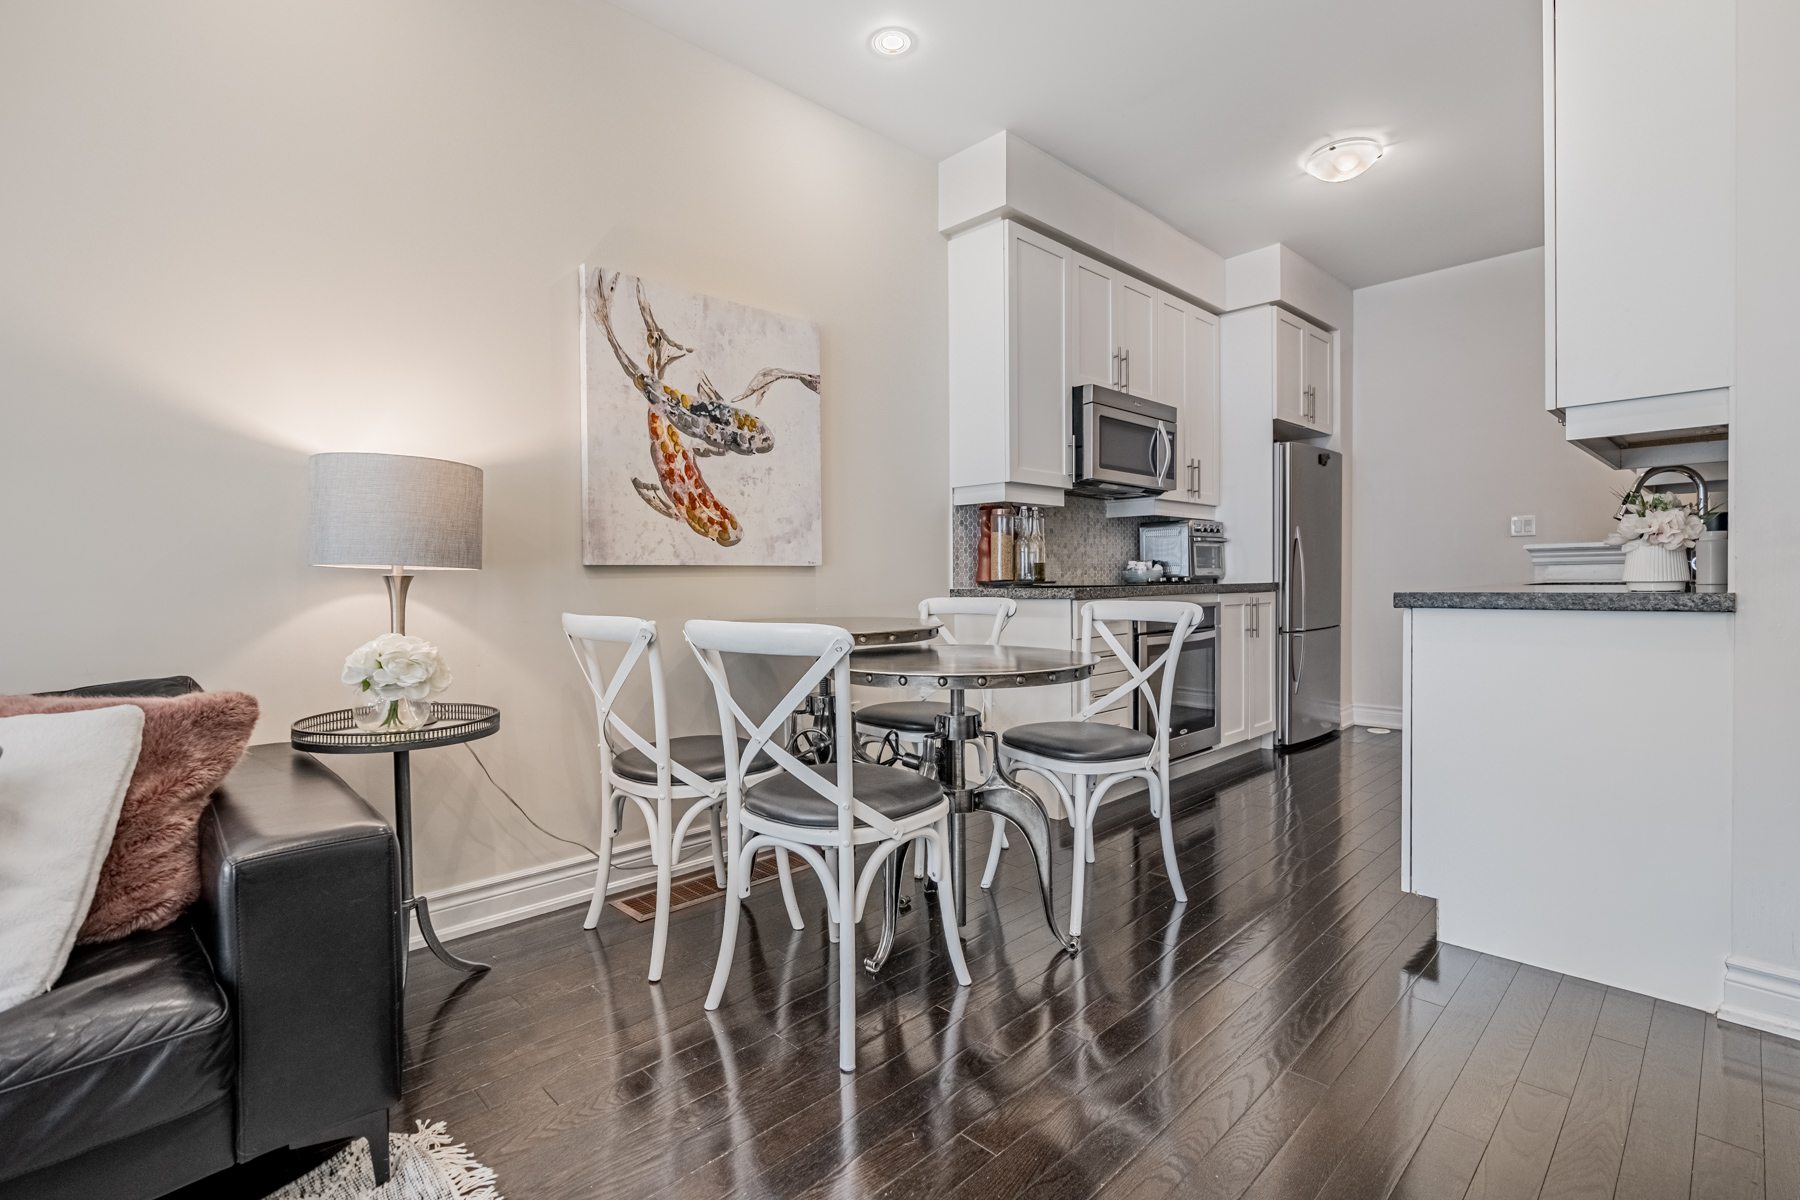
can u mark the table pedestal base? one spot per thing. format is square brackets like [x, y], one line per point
[411, 905]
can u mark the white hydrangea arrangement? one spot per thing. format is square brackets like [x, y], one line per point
[397, 676]
[1657, 520]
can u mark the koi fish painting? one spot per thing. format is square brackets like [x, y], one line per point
[652, 415]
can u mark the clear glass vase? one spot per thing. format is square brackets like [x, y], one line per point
[374, 715]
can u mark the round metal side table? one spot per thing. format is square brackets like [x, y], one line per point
[336, 733]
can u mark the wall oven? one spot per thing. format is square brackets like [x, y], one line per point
[1124, 445]
[1194, 714]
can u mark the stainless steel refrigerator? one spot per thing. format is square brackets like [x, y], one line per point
[1309, 510]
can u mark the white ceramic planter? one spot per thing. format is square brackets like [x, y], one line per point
[1655, 568]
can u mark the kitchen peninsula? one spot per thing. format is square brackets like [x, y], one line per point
[1566, 780]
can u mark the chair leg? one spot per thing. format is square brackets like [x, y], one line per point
[994, 848]
[952, 935]
[665, 872]
[610, 813]
[837, 866]
[718, 846]
[846, 963]
[728, 936]
[1078, 818]
[1161, 787]
[787, 889]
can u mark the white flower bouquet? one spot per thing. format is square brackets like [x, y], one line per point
[395, 677]
[1657, 520]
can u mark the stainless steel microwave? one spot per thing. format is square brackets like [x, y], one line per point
[1124, 445]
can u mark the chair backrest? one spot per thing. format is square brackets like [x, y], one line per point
[1180, 616]
[999, 608]
[829, 648]
[587, 634]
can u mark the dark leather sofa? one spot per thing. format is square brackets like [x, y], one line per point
[267, 1017]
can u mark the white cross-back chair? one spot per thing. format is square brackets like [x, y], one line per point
[812, 809]
[1084, 759]
[907, 724]
[654, 773]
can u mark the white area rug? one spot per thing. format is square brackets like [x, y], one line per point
[426, 1166]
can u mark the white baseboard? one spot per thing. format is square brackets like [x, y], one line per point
[1381, 716]
[1762, 996]
[489, 903]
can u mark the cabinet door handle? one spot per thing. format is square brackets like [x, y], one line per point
[1199, 476]
[1125, 360]
[1115, 368]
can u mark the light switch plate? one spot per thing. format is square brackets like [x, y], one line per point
[1524, 526]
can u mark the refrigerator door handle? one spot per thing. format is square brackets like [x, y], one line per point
[1296, 581]
[1296, 660]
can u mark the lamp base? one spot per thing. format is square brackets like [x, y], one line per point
[396, 589]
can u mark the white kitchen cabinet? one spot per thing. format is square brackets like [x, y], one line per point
[1246, 666]
[1259, 665]
[1187, 377]
[1234, 632]
[1291, 362]
[1114, 330]
[1011, 428]
[1135, 306]
[1639, 260]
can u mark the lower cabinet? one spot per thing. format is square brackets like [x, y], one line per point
[1246, 666]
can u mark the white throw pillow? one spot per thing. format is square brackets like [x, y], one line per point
[62, 779]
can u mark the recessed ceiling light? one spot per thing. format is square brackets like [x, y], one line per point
[891, 42]
[1343, 159]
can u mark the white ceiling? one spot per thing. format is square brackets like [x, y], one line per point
[1200, 110]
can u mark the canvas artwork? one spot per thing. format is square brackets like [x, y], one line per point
[674, 472]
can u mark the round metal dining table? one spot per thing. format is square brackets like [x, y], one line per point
[957, 669]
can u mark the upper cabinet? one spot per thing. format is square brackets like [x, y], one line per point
[1011, 306]
[1113, 342]
[1187, 376]
[1030, 321]
[1639, 270]
[1296, 368]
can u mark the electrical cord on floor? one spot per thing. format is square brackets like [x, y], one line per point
[509, 796]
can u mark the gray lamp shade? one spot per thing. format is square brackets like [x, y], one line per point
[393, 510]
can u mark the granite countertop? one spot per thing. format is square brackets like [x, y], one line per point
[1111, 591]
[1536, 599]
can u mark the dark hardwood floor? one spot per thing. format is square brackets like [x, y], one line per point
[1294, 1030]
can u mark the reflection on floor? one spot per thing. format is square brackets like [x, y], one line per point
[1294, 1030]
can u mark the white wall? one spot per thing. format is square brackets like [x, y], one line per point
[1451, 439]
[235, 235]
[1765, 539]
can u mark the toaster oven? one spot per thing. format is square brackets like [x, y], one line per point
[1192, 549]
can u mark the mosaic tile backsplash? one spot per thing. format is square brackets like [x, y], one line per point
[1083, 544]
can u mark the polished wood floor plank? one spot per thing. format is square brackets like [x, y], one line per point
[1518, 1155]
[1781, 1152]
[1723, 1171]
[1731, 1096]
[1474, 1105]
[1625, 1017]
[1329, 1132]
[1586, 1161]
[1562, 1040]
[1399, 1123]
[1781, 1070]
[1659, 1150]
[1442, 1166]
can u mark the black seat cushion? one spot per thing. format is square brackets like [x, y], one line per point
[703, 754]
[890, 791]
[135, 1033]
[1078, 741]
[908, 716]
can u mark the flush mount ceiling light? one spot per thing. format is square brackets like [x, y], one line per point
[891, 42]
[1343, 159]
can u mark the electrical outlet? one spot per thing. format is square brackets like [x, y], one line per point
[1524, 526]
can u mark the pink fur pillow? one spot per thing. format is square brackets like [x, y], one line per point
[152, 872]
